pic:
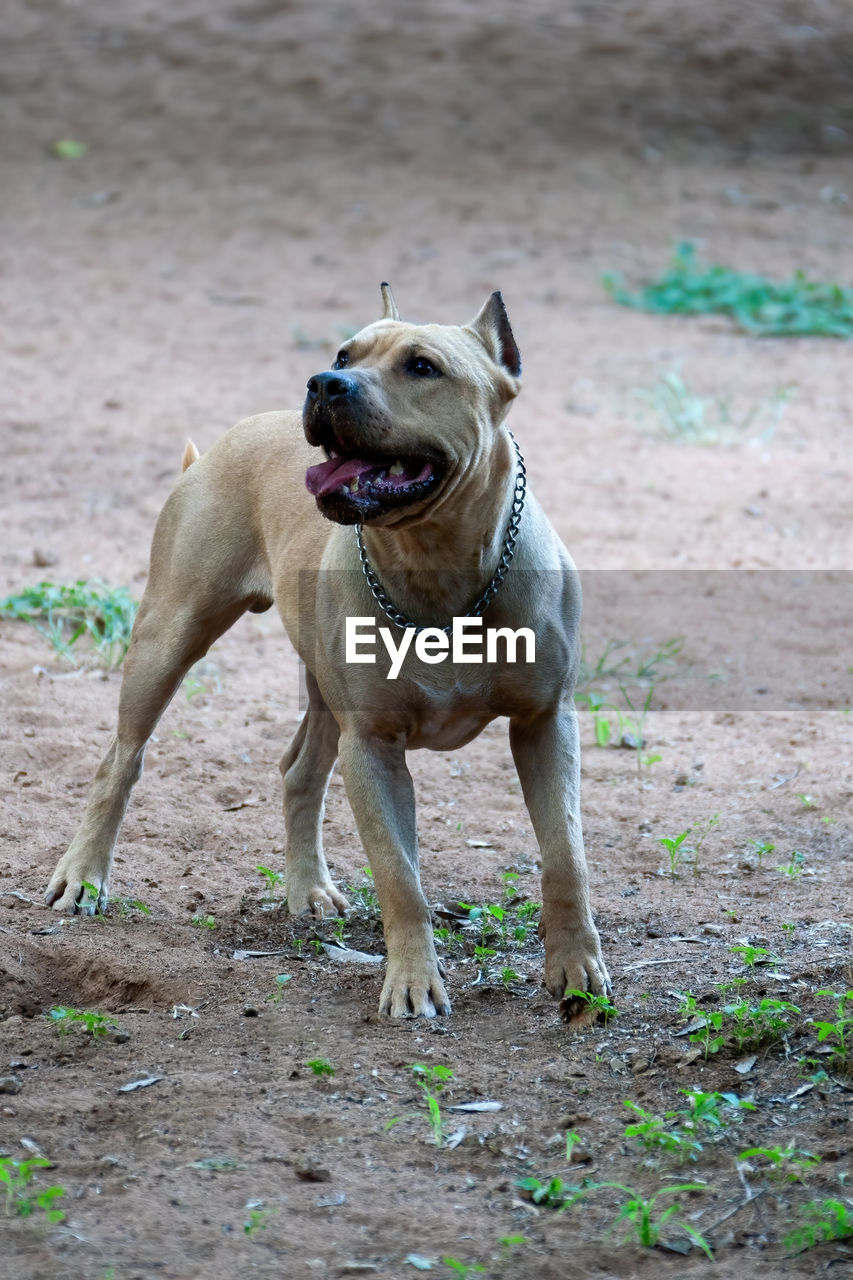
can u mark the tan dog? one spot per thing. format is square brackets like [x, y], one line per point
[411, 422]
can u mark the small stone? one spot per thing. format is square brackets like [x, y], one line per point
[42, 559]
[10, 1084]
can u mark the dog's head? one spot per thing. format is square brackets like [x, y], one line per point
[406, 410]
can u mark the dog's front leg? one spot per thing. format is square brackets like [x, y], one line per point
[547, 756]
[382, 797]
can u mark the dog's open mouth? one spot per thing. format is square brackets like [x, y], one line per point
[353, 489]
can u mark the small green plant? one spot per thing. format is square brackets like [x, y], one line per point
[841, 1030]
[673, 844]
[281, 981]
[793, 868]
[753, 955]
[646, 1223]
[273, 879]
[363, 896]
[554, 1194]
[601, 1006]
[510, 881]
[760, 848]
[64, 614]
[760, 306]
[339, 929]
[599, 707]
[431, 1081]
[821, 1220]
[658, 1133]
[202, 921]
[708, 1028]
[754, 1026]
[69, 149]
[16, 1176]
[787, 1163]
[463, 1268]
[705, 1108]
[321, 1067]
[126, 907]
[678, 1132]
[682, 854]
[789, 929]
[509, 975]
[258, 1220]
[65, 1019]
[808, 802]
[192, 686]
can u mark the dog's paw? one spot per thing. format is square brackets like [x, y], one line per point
[575, 963]
[318, 900]
[73, 889]
[408, 994]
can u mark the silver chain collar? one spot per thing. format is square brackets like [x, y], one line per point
[507, 552]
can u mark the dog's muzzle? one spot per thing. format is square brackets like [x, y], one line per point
[357, 483]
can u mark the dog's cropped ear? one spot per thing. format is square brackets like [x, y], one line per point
[493, 328]
[390, 311]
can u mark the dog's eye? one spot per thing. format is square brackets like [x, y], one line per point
[341, 359]
[422, 368]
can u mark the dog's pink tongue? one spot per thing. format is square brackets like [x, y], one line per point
[326, 477]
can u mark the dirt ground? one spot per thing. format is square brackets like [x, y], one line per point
[253, 170]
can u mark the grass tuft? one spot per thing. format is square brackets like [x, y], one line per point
[63, 614]
[794, 308]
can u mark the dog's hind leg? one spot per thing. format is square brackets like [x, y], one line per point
[306, 767]
[191, 599]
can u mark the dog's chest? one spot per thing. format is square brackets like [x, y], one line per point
[446, 719]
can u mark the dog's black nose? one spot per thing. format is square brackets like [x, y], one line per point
[324, 387]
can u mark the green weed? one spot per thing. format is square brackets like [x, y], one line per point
[678, 1132]
[822, 1220]
[796, 307]
[463, 1268]
[787, 1163]
[793, 868]
[647, 1224]
[508, 976]
[760, 848]
[554, 1194]
[16, 1176]
[258, 1219]
[273, 879]
[64, 614]
[126, 907]
[321, 1067]
[754, 955]
[431, 1081]
[363, 897]
[202, 921]
[65, 1019]
[281, 981]
[673, 844]
[840, 1031]
[602, 1006]
[679, 415]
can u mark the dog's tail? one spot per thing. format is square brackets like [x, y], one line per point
[190, 455]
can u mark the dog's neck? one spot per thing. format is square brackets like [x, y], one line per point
[435, 569]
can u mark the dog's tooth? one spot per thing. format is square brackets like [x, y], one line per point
[397, 469]
[354, 486]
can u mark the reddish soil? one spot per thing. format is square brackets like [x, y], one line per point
[253, 171]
